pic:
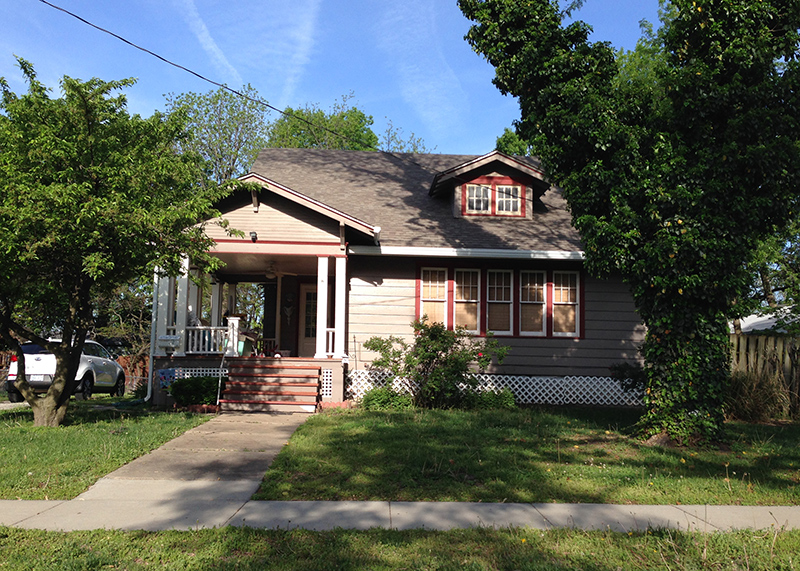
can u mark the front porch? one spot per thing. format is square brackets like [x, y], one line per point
[272, 312]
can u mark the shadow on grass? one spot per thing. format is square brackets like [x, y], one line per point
[531, 455]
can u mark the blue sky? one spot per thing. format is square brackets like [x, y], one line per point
[404, 61]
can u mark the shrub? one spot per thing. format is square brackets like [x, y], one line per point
[194, 390]
[502, 399]
[383, 398]
[437, 365]
[757, 396]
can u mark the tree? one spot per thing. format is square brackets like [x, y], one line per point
[229, 129]
[90, 198]
[672, 177]
[343, 127]
[392, 141]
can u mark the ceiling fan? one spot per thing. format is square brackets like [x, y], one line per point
[273, 271]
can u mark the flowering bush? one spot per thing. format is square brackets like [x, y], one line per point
[438, 363]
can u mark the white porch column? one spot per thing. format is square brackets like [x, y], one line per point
[233, 337]
[216, 304]
[322, 307]
[163, 311]
[340, 309]
[182, 307]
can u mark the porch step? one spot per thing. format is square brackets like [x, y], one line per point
[266, 384]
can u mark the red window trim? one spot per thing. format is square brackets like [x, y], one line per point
[515, 278]
[493, 182]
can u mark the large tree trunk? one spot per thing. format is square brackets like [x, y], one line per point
[48, 412]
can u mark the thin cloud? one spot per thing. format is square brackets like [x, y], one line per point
[200, 30]
[427, 83]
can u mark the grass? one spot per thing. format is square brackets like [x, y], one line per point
[470, 549]
[527, 455]
[96, 438]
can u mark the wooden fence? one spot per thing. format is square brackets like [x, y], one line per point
[770, 354]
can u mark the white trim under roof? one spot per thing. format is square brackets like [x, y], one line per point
[464, 253]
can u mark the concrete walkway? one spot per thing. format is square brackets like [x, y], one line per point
[205, 478]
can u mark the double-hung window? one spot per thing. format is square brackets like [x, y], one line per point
[532, 303]
[434, 295]
[499, 302]
[467, 299]
[565, 304]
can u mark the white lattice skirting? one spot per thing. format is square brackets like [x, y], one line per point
[568, 390]
[167, 376]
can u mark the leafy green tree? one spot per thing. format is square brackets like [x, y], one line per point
[672, 176]
[392, 141]
[228, 129]
[343, 127]
[90, 198]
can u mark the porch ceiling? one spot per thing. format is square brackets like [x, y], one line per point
[257, 265]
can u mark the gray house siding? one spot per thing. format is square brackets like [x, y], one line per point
[382, 302]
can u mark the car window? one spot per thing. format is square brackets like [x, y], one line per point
[33, 349]
[102, 352]
[90, 350]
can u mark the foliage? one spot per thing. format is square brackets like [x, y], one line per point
[195, 390]
[492, 399]
[527, 455]
[91, 198]
[672, 172]
[229, 129]
[343, 127]
[631, 377]
[510, 143]
[392, 141]
[757, 396]
[437, 364]
[383, 398]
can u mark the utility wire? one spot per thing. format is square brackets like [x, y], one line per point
[204, 78]
[225, 87]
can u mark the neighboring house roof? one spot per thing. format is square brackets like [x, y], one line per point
[393, 191]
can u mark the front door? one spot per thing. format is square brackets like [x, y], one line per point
[308, 320]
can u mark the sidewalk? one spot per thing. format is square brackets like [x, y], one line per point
[205, 478]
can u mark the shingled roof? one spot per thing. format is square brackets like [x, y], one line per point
[392, 190]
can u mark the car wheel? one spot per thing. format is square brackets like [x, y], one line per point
[14, 396]
[87, 386]
[119, 387]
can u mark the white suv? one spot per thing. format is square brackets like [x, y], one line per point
[97, 371]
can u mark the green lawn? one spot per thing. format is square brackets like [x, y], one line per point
[470, 550]
[60, 463]
[527, 455]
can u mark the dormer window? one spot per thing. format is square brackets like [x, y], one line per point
[493, 196]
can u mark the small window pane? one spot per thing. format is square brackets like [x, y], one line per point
[564, 319]
[532, 318]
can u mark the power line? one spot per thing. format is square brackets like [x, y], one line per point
[202, 77]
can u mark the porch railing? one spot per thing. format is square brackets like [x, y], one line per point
[205, 340]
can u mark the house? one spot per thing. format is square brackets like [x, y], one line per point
[347, 245]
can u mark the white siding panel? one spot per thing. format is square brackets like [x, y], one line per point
[282, 222]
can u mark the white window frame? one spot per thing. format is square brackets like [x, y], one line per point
[576, 303]
[444, 300]
[479, 193]
[477, 301]
[543, 303]
[509, 303]
[508, 195]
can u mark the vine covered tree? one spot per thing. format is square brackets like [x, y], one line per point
[91, 198]
[672, 176]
